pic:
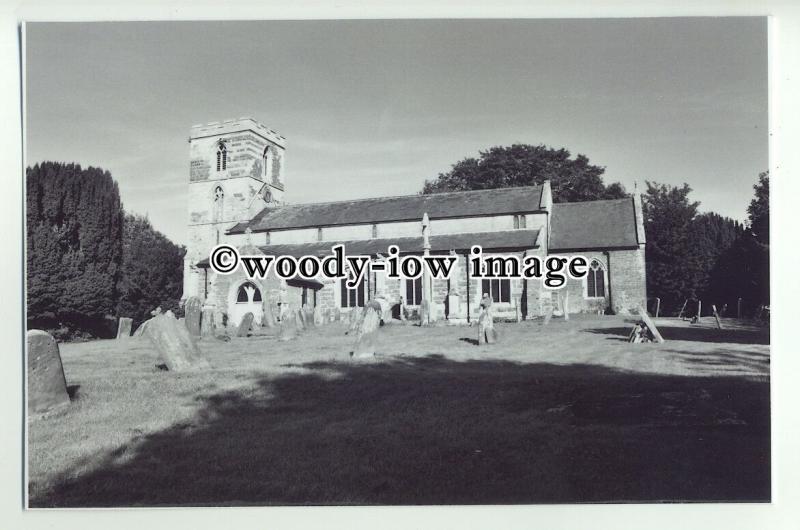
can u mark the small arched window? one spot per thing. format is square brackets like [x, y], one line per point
[219, 199]
[595, 281]
[247, 293]
[222, 157]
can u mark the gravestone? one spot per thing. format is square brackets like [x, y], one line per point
[548, 314]
[650, 325]
[47, 386]
[318, 318]
[424, 312]
[337, 315]
[175, 346]
[269, 317]
[308, 316]
[356, 316]
[486, 332]
[716, 316]
[245, 325]
[300, 320]
[124, 327]
[288, 327]
[207, 322]
[193, 308]
[367, 333]
[142, 328]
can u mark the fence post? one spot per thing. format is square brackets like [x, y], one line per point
[658, 305]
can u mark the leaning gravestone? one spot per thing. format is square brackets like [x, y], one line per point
[300, 320]
[207, 323]
[47, 387]
[356, 316]
[124, 327]
[141, 329]
[193, 309]
[367, 333]
[288, 327]
[175, 346]
[244, 325]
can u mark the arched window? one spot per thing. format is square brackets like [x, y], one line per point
[222, 157]
[219, 199]
[247, 293]
[596, 281]
[414, 291]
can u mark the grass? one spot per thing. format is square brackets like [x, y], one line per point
[564, 413]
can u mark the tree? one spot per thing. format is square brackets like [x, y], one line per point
[758, 211]
[571, 179]
[74, 224]
[152, 270]
[675, 269]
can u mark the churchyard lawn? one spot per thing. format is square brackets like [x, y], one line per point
[570, 412]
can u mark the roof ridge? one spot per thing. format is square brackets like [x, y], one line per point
[593, 201]
[407, 195]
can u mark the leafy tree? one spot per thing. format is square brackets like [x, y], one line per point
[74, 224]
[152, 270]
[571, 179]
[675, 269]
[758, 211]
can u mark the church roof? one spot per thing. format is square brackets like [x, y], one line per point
[490, 241]
[397, 208]
[607, 224]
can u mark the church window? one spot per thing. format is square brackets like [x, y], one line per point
[595, 281]
[319, 234]
[519, 221]
[222, 157]
[413, 291]
[267, 238]
[354, 297]
[219, 199]
[247, 293]
[266, 160]
[374, 231]
[499, 289]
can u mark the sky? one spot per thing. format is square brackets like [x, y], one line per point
[372, 108]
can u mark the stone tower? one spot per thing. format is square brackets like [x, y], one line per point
[236, 168]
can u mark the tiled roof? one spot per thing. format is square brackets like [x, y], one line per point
[399, 208]
[489, 241]
[593, 225]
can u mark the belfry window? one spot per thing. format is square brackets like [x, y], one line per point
[595, 281]
[222, 157]
[266, 161]
[219, 199]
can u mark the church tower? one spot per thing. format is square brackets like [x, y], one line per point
[236, 168]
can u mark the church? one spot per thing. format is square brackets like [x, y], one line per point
[237, 179]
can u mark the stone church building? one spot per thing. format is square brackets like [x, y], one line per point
[236, 185]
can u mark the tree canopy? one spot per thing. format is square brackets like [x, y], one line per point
[571, 179]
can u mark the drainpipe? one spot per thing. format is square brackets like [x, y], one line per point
[466, 263]
[205, 284]
[608, 269]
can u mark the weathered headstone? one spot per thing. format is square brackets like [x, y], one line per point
[486, 331]
[367, 333]
[269, 317]
[245, 325]
[308, 314]
[175, 346]
[424, 312]
[650, 325]
[300, 320]
[193, 308]
[47, 386]
[288, 327]
[124, 327]
[356, 316]
[141, 329]
[318, 318]
[548, 314]
[207, 328]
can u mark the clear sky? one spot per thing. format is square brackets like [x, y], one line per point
[374, 108]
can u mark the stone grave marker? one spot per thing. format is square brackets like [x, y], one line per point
[193, 309]
[47, 386]
[424, 312]
[356, 316]
[288, 327]
[318, 318]
[124, 327]
[300, 320]
[245, 325]
[650, 325]
[269, 317]
[175, 346]
[367, 333]
[207, 322]
[486, 332]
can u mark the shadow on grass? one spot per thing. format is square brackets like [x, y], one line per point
[436, 431]
[697, 334]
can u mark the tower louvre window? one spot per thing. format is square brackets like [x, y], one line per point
[222, 157]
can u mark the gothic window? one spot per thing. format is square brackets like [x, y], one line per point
[595, 281]
[354, 297]
[519, 221]
[219, 199]
[222, 157]
[414, 291]
[374, 231]
[267, 238]
[319, 234]
[247, 293]
[499, 289]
